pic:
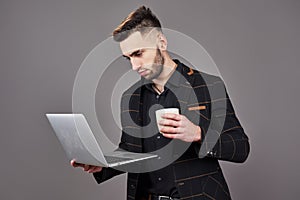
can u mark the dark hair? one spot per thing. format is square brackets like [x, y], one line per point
[141, 20]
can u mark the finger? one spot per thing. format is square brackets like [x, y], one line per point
[173, 116]
[169, 122]
[95, 169]
[75, 164]
[86, 167]
[98, 169]
[169, 130]
[92, 169]
[172, 136]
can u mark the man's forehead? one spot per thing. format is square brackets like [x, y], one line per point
[136, 41]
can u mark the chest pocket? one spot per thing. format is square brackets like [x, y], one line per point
[199, 113]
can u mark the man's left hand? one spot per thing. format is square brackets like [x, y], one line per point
[179, 127]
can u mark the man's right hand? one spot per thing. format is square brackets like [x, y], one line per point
[87, 168]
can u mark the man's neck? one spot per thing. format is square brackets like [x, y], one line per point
[168, 69]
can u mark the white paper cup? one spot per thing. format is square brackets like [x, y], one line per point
[158, 114]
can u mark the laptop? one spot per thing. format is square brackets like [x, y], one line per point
[79, 143]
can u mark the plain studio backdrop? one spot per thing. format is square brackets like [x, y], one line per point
[255, 45]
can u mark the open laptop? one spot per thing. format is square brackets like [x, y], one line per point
[79, 143]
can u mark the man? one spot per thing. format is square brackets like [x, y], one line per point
[169, 83]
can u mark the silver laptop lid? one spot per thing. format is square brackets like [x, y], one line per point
[82, 147]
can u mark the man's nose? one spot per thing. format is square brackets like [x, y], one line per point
[135, 63]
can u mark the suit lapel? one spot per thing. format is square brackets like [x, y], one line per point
[185, 89]
[184, 94]
[134, 107]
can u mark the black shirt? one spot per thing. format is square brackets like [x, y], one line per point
[162, 181]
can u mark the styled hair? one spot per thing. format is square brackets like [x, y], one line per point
[141, 20]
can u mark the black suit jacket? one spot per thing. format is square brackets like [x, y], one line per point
[204, 100]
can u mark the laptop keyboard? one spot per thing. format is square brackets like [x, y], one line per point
[112, 159]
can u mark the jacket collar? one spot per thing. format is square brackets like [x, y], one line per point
[182, 82]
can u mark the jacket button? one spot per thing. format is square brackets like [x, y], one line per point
[132, 186]
[181, 183]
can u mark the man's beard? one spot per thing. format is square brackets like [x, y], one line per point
[157, 65]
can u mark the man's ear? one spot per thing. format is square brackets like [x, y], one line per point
[162, 42]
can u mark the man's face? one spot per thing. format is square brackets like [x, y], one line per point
[144, 55]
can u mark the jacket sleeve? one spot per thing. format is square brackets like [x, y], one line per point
[127, 143]
[225, 138]
[105, 174]
[108, 173]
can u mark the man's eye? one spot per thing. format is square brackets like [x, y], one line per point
[138, 53]
[127, 58]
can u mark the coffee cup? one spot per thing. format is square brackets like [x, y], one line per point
[160, 112]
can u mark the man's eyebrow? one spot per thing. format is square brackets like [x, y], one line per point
[132, 54]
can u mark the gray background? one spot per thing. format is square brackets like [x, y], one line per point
[254, 43]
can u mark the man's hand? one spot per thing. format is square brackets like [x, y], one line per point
[87, 168]
[179, 127]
